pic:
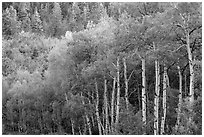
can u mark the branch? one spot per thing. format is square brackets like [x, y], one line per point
[194, 29]
[181, 39]
[114, 65]
[184, 68]
[178, 48]
[130, 75]
[131, 92]
[141, 11]
[180, 26]
[110, 76]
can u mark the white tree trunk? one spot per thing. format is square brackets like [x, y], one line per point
[72, 123]
[106, 107]
[190, 59]
[118, 92]
[156, 99]
[164, 99]
[143, 95]
[185, 86]
[180, 96]
[113, 104]
[87, 119]
[97, 111]
[126, 84]
[92, 117]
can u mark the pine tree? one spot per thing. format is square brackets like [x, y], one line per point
[24, 17]
[86, 15]
[75, 12]
[10, 24]
[55, 22]
[36, 22]
[57, 13]
[102, 13]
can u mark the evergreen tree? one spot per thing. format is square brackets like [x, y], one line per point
[24, 17]
[86, 15]
[75, 12]
[36, 22]
[10, 24]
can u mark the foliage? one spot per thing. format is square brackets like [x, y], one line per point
[50, 83]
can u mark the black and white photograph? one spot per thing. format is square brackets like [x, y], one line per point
[101, 68]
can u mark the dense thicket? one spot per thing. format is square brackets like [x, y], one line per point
[101, 68]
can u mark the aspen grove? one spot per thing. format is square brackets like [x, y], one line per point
[102, 68]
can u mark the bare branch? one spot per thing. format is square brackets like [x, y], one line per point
[178, 48]
[195, 29]
[114, 65]
[131, 92]
[130, 75]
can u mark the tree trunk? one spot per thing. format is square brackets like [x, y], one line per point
[185, 88]
[143, 96]
[164, 100]
[113, 104]
[72, 123]
[190, 59]
[126, 84]
[106, 107]
[180, 96]
[87, 119]
[118, 93]
[80, 133]
[92, 116]
[156, 98]
[85, 126]
[138, 97]
[97, 106]
[103, 118]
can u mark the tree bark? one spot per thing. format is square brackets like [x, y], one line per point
[106, 106]
[118, 93]
[190, 59]
[164, 99]
[185, 88]
[113, 104]
[87, 119]
[126, 84]
[180, 96]
[143, 95]
[72, 123]
[97, 106]
[156, 98]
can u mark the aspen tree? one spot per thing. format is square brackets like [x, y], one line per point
[190, 59]
[180, 96]
[118, 92]
[156, 98]
[106, 106]
[126, 83]
[113, 104]
[72, 124]
[164, 99]
[97, 111]
[87, 119]
[143, 95]
[189, 19]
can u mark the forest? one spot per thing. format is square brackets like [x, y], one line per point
[102, 68]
